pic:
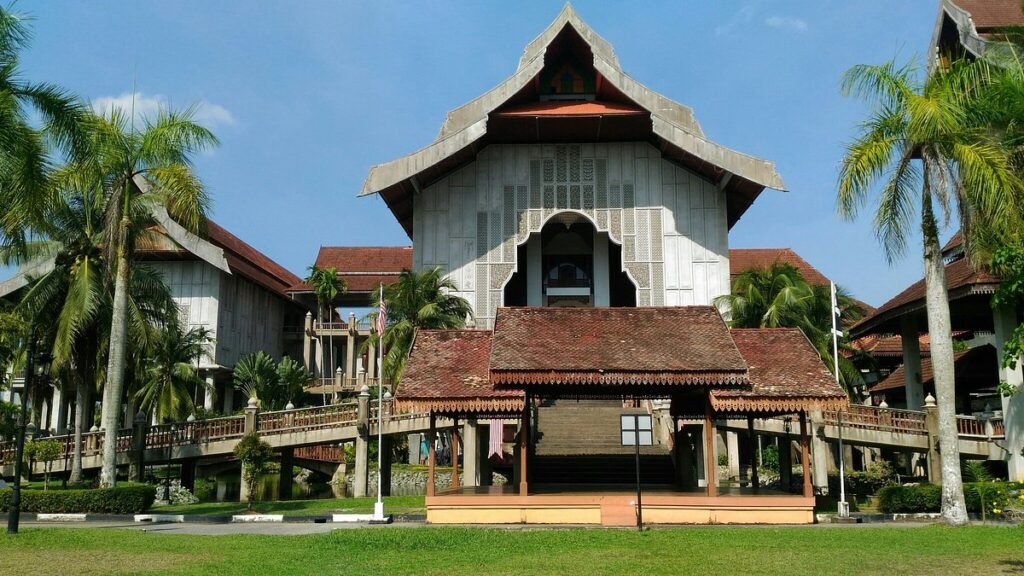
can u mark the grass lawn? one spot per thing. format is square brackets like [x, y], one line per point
[763, 551]
[392, 505]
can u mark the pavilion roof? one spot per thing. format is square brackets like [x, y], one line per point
[447, 371]
[624, 110]
[786, 374]
[614, 347]
[962, 279]
[896, 379]
[992, 14]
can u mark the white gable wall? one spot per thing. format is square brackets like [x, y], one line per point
[670, 222]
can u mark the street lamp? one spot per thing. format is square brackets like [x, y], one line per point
[31, 362]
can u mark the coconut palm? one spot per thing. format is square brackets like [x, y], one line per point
[25, 150]
[924, 142]
[416, 300]
[779, 296]
[141, 171]
[170, 374]
[74, 302]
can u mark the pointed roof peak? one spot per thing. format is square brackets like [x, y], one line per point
[568, 17]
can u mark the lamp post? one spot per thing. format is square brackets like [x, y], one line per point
[14, 514]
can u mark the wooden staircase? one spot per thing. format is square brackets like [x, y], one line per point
[578, 442]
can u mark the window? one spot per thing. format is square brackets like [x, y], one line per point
[568, 271]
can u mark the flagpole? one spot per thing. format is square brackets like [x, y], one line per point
[844, 508]
[378, 509]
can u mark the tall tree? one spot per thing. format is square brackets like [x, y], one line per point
[140, 170]
[416, 300]
[26, 146]
[779, 296]
[924, 142]
[170, 373]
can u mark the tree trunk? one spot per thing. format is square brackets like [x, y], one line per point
[82, 398]
[954, 510]
[114, 389]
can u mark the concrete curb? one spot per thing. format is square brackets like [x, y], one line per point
[206, 519]
[61, 517]
[257, 518]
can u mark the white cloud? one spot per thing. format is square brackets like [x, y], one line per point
[146, 106]
[744, 14]
[786, 23]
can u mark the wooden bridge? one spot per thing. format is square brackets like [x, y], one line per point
[307, 434]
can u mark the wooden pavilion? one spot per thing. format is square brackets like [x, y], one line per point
[682, 355]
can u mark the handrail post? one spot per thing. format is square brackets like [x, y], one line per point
[931, 423]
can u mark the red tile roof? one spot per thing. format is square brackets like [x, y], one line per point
[250, 262]
[447, 371]
[614, 346]
[895, 379]
[785, 372]
[743, 259]
[887, 346]
[989, 14]
[363, 267]
[961, 276]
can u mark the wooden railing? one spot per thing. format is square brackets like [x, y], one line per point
[321, 453]
[198, 432]
[871, 418]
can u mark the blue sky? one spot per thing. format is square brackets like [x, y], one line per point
[306, 96]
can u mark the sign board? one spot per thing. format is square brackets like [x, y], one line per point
[636, 430]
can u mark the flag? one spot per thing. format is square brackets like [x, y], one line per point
[382, 316]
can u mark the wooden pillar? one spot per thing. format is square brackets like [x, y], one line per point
[431, 454]
[710, 465]
[755, 482]
[524, 442]
[805, 455]
[455, 453]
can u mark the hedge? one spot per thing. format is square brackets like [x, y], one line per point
[124, 499]
[864, 483]
[928, 497]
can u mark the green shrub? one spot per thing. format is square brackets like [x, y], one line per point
[866, 483]
[928, 497]
[124, 499]
[770, 458]
[205, 490]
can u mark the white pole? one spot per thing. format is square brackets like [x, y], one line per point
[844, 509]
[378, 509]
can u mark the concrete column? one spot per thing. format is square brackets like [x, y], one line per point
[470, 453]
[1005, 321]
[58, 411]
[909, 334]
[412, 442]
[371, 361]
[284, 485]
[339, 382]
[732, 450]
[140, 425]
[307, 342]
[385, 466]
[188, 474]
[931, 421]
[251, 411]
[534, 271]
[602, 296]
[350, 350]
[209, 393]
[362, 445]
[229, 398]
[820, 452]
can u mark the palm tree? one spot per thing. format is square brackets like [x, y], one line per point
[170, 372]
[924, 141]
[75, 302]
[326, 285]
[416, 300]
[25, 150]
[140, 172]
[779, 296]
[256, 376]
[293, 378]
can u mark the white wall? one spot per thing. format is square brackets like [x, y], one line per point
[195, 287]
[670, 221]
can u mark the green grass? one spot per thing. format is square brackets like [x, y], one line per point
[764, 551]
[392, 505]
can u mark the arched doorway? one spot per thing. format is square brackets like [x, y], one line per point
[570, 264]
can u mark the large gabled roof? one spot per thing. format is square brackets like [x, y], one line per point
[975, 24]
[672, 128]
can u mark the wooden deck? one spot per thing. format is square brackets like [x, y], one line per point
[616, 506]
